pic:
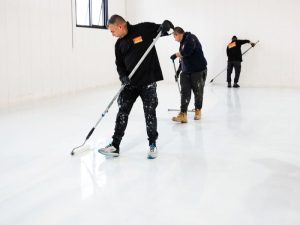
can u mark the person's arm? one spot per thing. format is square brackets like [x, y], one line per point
[154, 28]
[241, 42]
[150, 28]
[123, 76]
[189, 46]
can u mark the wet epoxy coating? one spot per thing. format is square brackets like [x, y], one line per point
[240, 164]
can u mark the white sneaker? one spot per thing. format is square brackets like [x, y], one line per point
[152, 154]
[109, 150]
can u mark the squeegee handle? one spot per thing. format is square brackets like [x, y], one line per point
[90, 133]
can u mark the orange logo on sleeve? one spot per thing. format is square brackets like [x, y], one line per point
[137, 40]
[232, 45]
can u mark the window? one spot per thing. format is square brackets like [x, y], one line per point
[92, 13]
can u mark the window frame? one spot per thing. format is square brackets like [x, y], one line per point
[104, 11]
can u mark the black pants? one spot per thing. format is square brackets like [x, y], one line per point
[126, 100]
[237, 68]
[192, 82]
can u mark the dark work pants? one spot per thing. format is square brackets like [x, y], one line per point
[126, 100]
[192, 82]
[237, 69]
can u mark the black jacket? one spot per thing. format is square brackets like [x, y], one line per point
[131, 48]
[233, 50]
[193, 59]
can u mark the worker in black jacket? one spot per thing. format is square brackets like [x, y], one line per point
[132, 43]
[194, 71]
[234, 55]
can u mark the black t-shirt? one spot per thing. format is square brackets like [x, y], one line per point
[130, 49]
[233, 50]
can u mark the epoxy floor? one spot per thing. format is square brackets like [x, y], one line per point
[239, 165]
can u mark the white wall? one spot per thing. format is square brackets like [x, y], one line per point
[37, 58]
[274, 62]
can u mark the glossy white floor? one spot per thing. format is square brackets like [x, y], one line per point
[239, 165]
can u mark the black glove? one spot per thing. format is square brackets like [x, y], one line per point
[124, 80]
[252, 44]
[166, 26]
[173, 57]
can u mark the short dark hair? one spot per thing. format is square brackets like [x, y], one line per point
[234, 38]
[115, 19]
[178, 30]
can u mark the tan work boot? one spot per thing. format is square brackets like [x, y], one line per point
[197, 114]
[182, 117]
